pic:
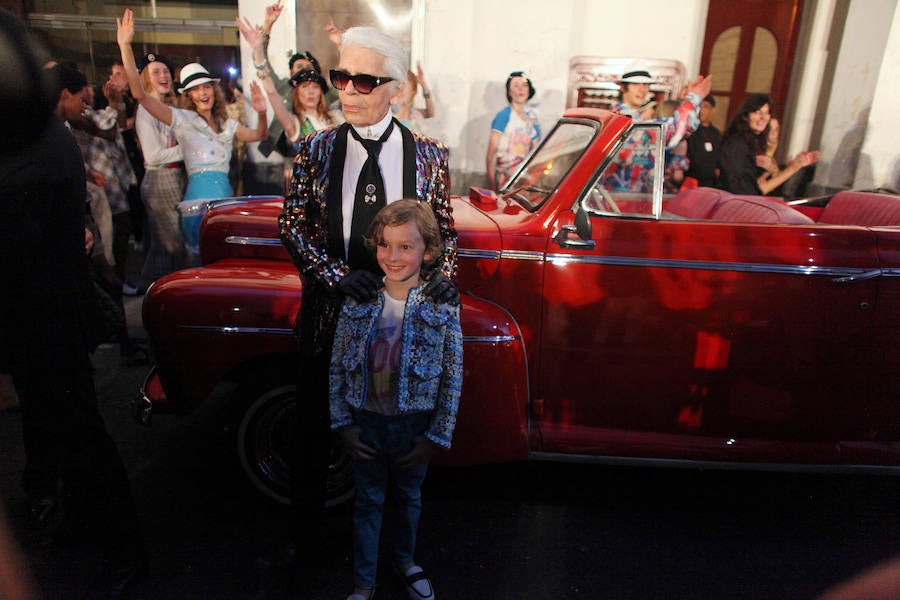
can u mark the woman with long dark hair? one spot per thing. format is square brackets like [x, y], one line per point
[742, 155]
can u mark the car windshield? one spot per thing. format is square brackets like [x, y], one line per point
[549, 164]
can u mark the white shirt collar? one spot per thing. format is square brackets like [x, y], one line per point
[373, 132]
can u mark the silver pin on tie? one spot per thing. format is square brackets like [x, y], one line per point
[370, 196]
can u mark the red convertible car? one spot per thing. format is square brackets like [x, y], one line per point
[600, 322]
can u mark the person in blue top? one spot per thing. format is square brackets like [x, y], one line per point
[515, 131]
[394, 385]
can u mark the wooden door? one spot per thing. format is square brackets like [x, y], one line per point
[748, 48]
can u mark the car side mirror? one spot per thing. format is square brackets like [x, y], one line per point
[581, 228]
[582, 222]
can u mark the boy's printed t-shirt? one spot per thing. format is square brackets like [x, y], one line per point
[384, 357]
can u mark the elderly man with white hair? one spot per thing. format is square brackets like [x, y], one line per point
[342, 177]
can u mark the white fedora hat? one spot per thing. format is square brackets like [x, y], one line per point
[192, 75]
[637, 76]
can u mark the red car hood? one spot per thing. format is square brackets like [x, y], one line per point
[479, 243]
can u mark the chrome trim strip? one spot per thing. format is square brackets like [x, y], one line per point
[489, 339]
[244, 240]
[236, 200]
[242, 330]
[498, 254]
[521, 255]
[675, 463]
[476, 339]
[890, 272]
[475, 253]
[625, 261]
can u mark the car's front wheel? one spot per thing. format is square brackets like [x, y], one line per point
[264, 442]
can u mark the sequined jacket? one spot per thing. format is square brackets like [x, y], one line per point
[304, 222]
[429, 373]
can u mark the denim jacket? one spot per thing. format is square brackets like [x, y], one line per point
[429, 374]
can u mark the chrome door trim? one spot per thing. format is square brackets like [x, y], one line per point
[489, 339]
[498, 254]
[246, 240]
[627, 261]
[679, 463]
[229, 329]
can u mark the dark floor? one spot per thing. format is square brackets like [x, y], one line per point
[537, 531]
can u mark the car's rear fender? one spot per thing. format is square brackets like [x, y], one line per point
[203, 322]
[244, 227]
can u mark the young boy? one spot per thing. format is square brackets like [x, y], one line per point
[396, 373]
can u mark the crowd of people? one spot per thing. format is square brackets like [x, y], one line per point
[742, 161]
[366, 221]
[384, 248]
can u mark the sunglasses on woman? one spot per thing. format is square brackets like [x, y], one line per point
[362, 82]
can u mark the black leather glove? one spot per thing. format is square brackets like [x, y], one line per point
[440, 289]
[360, 285]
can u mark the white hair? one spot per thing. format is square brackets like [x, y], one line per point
[396, 60]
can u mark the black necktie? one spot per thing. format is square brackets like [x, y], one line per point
[370, 198]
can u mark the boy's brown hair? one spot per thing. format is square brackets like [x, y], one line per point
[404, 211]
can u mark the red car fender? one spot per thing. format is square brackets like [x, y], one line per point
[494, 401]
[205, 322]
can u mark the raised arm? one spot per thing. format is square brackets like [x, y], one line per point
[426, 93]
[687, 116]
[258, 102]
[124, 35]
[491, 159]
[273, 11]
[334, 34]
[255, 38]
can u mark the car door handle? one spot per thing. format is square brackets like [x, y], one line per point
[864, 276]
[562, 238]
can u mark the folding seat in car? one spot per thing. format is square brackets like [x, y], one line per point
[697, 203]
[868, 209]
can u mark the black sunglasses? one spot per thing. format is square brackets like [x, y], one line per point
[362, 82]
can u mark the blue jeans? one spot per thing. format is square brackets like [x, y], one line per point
[393, 437]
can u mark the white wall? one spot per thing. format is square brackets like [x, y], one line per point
[471, 46]
[879, 163]
[857, 77]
